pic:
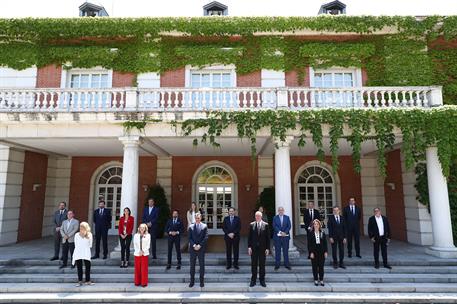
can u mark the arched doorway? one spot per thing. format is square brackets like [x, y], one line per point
[315, 182]
[215, 192]
[108, 185]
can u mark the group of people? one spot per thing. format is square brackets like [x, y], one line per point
[76, 238]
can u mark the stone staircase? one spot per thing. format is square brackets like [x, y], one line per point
[35, 281]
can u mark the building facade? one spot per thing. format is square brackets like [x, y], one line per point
[63, 139]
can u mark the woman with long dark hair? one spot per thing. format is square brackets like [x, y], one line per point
[125, 236]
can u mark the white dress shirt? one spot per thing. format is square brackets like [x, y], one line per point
[380, 224]
[82, 248]
[318, 237]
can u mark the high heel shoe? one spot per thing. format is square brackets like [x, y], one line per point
[126, 265]
[316, 283]
[122, 264]
[322, 283]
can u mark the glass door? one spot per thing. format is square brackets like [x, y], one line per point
[214, 202]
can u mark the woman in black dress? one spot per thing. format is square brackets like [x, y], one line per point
[318, 249]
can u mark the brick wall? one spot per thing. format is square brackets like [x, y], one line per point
[175, 78]
[184, 168]
[49, 76]
[253, 79]
[123, 79]
[32, 202]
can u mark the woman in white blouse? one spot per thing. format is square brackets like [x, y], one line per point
[141, 243]
[83, 244]
[318, 251]
[191, 214]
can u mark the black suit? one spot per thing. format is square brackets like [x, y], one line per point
[379, 240]
[319, 251]
[175, 226]
[197, 236]
[232, 245]
[337, 231]
[308, 220]
[353, 228]
[102, 221]
[258, 241]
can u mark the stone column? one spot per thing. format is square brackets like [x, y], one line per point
[443, 244]
[283, 185]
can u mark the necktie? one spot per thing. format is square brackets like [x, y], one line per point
[281, 220]
[101, 211]
[258, 228]
[338, 220]
[231, 220]
[352, 208]
[312, 214]
[198, 228]
[174, 222]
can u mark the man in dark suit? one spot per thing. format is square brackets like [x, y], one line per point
[174, 228]
[309, 216]
[353, 214]
[151, 218]
[379, 233]
[102, 221]
[198, 236]
[258, 248]
[337, 235]
[68, 230]
[281, 237]
[231, 227]
[59, 216]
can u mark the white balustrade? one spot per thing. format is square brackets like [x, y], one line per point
[203, 99]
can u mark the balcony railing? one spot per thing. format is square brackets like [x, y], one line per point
[230, 99]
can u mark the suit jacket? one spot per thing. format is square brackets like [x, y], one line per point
[102, 222]
[129, 228]
[285, 227]
[259, 240]
[152, 217]
[69, 231]
[335, 230]
[174, 227]
[352, 220]
[307, 218]
[235, 227]
[198, 238]
[318, 248]
[145, 244]
[373, 231]
[58, 219]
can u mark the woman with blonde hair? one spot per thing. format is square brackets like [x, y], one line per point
[83, 244]
[141, 243]
[318, 251]
[191, 214]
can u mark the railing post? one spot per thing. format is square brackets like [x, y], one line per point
[131, 99]
[435, 96]
[282, 98]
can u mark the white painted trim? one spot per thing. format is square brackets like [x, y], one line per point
[336, 183]
[226, 167]
[211, 69]
[357, 72]
[65, 75]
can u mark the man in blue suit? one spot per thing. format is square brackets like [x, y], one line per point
[281, 237]
[198, 236]
[151, 218]
[231, 227]
[102, 221]
[174, 228]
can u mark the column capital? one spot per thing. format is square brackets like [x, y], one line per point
[131, 140]
[283, 143]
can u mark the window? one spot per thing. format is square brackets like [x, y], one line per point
[96, 80]
[88, 82]
[211, 79]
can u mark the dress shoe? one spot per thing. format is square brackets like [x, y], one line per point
[288, 268]
[349, 255]
[276, 267]
[322, 283]
[342, 266]
[236, 267]
[178, 267]
[262, 283]
[126, 264]
[54, 258]
[252, 284]
[191, 284]
[316, 283]
[168, 267]
[154, 257]
[105, 257]
[202, 284]
[62, 266]
[387, 266]
[376, 266]
[335, 266]
[228, 267]
[359, 256]
[95, 257]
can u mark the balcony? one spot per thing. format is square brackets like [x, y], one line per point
[227, 99]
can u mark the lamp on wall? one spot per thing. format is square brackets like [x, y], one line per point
[391, 186]
[248, 187]
[145, 187]
[180, 187]
[35, 187]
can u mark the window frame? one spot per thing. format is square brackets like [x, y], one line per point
[211, 70]
[356, 74]
[67, 75]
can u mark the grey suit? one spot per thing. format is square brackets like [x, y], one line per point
[57, 220]
[68, 228]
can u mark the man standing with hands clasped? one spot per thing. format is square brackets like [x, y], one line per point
[379, 233]
[59, 216]
[281, 238]
[309, 216]
[151, 218]
[68, 230]
[352, 214]
[231, 227]
[198, 235]
[337, 235]
[258, 248]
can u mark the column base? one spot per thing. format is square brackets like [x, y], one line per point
[442, 252]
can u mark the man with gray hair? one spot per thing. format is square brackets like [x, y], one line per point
[258, 248]
[281, 237]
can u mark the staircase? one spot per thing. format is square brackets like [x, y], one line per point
[36, 281]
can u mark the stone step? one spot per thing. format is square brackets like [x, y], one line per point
[308, 287]
[114, 269]
[183, 276]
